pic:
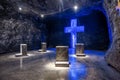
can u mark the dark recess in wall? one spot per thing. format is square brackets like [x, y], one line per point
[96, 34]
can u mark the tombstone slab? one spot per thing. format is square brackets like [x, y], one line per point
[79, 49]
[43, 47]
[62, 57]
[23, 50]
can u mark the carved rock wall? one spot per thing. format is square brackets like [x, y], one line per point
[14, 32]
[113, 54]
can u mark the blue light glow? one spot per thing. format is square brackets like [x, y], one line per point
[77, 71]
[73, 29]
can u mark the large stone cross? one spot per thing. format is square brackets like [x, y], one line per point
[73, 29]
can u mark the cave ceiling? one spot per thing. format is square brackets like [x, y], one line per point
[49, 7]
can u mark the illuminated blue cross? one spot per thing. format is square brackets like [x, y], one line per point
[73, 30]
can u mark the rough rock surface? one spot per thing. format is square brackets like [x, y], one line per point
[17, 27]
[113, 54]
[14, 32]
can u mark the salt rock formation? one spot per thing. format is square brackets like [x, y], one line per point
[113, 54]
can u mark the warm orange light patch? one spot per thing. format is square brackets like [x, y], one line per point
[118, 6]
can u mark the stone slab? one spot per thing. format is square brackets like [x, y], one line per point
[23, 50]
[79, 49]
[62, 56]
[43, 47]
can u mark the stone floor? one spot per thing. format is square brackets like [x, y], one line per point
[40, 66]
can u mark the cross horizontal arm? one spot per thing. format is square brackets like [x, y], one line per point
[74, 29]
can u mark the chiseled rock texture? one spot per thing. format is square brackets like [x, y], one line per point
[18, 27]
[113, 54]
[15, 32]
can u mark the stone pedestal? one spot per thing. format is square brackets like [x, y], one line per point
[44, 46]
[23, 50]
[79, 49]
[62, 56]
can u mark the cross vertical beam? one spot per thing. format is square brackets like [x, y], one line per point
[73, 29]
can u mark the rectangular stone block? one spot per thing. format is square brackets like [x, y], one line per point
[44, 46]
[62, 56]
[79, 49]
[23, 50]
